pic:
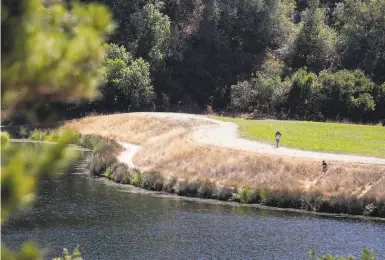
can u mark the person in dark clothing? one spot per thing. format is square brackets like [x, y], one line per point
[277, 137]
[324, 166]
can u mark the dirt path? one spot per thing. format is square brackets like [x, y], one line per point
[128, 154]
[226, 134]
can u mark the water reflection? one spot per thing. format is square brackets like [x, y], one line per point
[108, 223]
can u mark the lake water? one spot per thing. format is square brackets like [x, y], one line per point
[109, 223]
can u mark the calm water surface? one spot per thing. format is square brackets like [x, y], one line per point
[108, 223]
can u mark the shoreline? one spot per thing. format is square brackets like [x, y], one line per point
[231, 200]
[162, 194]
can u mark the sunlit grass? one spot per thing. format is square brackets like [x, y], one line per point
[327, 137]
[170, 161]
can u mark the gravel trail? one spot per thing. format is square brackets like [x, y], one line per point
[226, 134]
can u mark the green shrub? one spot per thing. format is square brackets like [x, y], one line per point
[262, 195]
[285, 199]
[52, 136]
[381, 209]
[206, 189]
[192, 188]
[91, 142]
[348, 93]
[4, 139]
[181, 187]
[224, 193]
[37, 135]
[95, 143]
[152, 181]
[76, 255]
[366, 254]
[170, 184]
[244, 194]
[23, 132]
[312, 201]
[107, 172]
[118, 171]
[137, 179]
[127, 177]
[100, 160]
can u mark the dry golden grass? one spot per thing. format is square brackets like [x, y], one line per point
[173, 155]
[167, 150]
[123, 127]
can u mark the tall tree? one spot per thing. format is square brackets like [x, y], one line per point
[127, 82]
[314, 46]
[151, 31]
[362, 38]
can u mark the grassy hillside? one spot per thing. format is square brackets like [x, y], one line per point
[284, 182]
[327, 137]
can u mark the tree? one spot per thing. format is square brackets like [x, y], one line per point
[151, 31]
[314, 46]
[127, 82]
[379, 97]
[264, 91]
[304, 97]
[243, 95]
[115, 52]
[136, 84]
[348, 94]
[362, 37]
[52, 52]
[115, 65]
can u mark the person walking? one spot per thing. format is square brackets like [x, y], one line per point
[277, 137]
[324, 166]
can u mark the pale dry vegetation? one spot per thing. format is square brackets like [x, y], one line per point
[167, 150]
[174, 155]
[124, 127]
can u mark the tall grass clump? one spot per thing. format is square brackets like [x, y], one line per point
[244, 194]
[5, 137]
[101, 159]
[127, 177]
[207, 189]
[224, 193]
[23, 132]
[118, 171]
[51, 135]
[285, 199]
[181, 187]
[366, 254]
[91, 142]
[192, 188]
[169, 184]
[107, 172]
[137, 179]
[153, 181]
[262, 196]
[37, 135]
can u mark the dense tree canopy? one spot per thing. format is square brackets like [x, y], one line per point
[187, 54]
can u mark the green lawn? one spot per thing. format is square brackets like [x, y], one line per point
[327, 137]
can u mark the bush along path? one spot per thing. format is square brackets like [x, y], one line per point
[114, 160]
